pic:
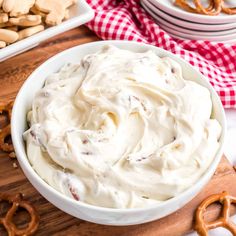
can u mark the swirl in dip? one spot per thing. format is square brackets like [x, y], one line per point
[121, 129]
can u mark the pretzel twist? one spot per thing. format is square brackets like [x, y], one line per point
[7, 221]
[214, 8]
[224, 221]
[183, 4]
[228, 10]
[6, 131]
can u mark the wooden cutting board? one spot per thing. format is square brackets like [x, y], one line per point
[13, 72]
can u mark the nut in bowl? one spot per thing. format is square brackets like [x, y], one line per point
[141, 202]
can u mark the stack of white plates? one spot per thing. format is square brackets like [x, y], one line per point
[185, 25]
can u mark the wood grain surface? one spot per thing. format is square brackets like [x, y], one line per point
[13, 73]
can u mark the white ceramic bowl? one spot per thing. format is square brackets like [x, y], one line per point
[82, 210]
[214, 38]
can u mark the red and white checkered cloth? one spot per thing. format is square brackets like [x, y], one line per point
[127, 20]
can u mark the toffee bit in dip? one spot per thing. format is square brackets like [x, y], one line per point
[177, 146]
[145, 197]
[136, 98]
[46, 94]
[129, 99]
[74, 193]
[32, 133]
[87, 153]
[144, 107]
[85, 141]
[141, 159]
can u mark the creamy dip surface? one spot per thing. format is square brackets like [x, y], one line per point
[121, 129]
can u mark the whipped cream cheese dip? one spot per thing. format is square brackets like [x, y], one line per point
[121, 129]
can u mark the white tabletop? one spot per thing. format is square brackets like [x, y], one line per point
[230, 152]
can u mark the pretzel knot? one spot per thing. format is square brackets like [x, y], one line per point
[224, 221]
[214, 8]
[7, 221]
[6, 131]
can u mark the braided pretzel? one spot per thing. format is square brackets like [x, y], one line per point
[6, 131]
[7, 221]
[224, 221]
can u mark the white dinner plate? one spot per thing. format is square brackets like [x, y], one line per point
[79, 14]
[169, 7]
[220, 38]
[232, 41]
[161, 22]
[184, 23]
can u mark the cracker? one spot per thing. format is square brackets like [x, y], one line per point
[26, 20]
[8, 36]
[25, 33]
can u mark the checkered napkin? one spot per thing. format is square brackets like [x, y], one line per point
[127, 20]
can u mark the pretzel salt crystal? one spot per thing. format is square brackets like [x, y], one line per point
[224, 221]
[17, 201]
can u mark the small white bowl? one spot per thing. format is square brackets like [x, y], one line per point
[82, 210]
[79, 14]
